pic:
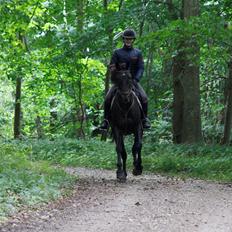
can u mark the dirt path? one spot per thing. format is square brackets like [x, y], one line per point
[145, 203]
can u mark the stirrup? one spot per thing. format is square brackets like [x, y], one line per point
[104, 125]
[146, 123]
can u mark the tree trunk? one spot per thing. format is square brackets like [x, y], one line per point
[17, 115]
[53, 114]
[171, 10]
[191, 83]
[228, 114]
[80, 14]
[186, 100]
[178, 98]
[178, 91]
[149, 66]
[109, 32]
[80, 109]
[39, 127]
[81, 115]
[191, 113]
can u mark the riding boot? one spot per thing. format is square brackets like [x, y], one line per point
[146, 122]
[105, 123]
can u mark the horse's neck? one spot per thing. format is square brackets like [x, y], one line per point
[122, 103]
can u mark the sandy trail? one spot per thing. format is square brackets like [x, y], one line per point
[144, 203]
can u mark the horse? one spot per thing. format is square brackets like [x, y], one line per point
[126, 118]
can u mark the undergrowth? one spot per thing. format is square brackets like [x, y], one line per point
[27, 178]
[199, 161]
[26, 183]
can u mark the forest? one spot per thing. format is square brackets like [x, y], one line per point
[55, 54]
[54, 74]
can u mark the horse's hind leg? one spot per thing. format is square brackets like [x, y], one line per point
[136, 151]
[121, 156]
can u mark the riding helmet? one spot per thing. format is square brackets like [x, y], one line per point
[129, 33]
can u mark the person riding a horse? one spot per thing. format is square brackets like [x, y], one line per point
[127, 58]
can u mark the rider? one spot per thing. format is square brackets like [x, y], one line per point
[128, 58]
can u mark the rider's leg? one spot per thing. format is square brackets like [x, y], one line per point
[105, 123]
[144, 102]
[146, 121]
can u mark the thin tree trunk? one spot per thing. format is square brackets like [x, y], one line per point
[143, 16]
[81, 114]
[178, 91]
[149, 66]
[53, 114]
[171, 9]
[39, 127]
[80, 14]
[178, 98]
[109, 32]
[82, 110]
[17, 115]
[228, 114]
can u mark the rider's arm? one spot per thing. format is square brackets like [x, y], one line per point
[112, 66]
[113, 61]
[140, 67]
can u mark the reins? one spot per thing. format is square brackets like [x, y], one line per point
[120, 108]
[117, 101]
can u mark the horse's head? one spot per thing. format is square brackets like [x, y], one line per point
[123, 80]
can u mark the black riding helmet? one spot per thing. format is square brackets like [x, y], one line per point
[129, 33]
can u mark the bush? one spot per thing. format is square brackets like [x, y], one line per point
[24, 182]
[201, 161]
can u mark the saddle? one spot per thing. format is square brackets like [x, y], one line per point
[135, 96]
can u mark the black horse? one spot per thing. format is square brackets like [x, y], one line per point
[126, 114]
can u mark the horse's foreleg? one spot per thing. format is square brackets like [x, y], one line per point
[121, 156]
[124, 157]
[136, 151]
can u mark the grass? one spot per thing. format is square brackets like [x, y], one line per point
[26, 183]
[28, 178]
[197, 161]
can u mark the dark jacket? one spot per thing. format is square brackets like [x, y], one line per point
[129, 59]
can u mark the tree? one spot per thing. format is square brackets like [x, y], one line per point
[228, 111]
[186, 118]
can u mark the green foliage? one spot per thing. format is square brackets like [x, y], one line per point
[6, 108]
[26, 183]
[44, 43]
[197, 161]
[73, 152]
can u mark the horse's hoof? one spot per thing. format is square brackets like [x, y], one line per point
[137, 172]
[121, 180]
[121, 176]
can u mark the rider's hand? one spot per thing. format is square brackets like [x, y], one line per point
[112, 67]
[135, 82]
